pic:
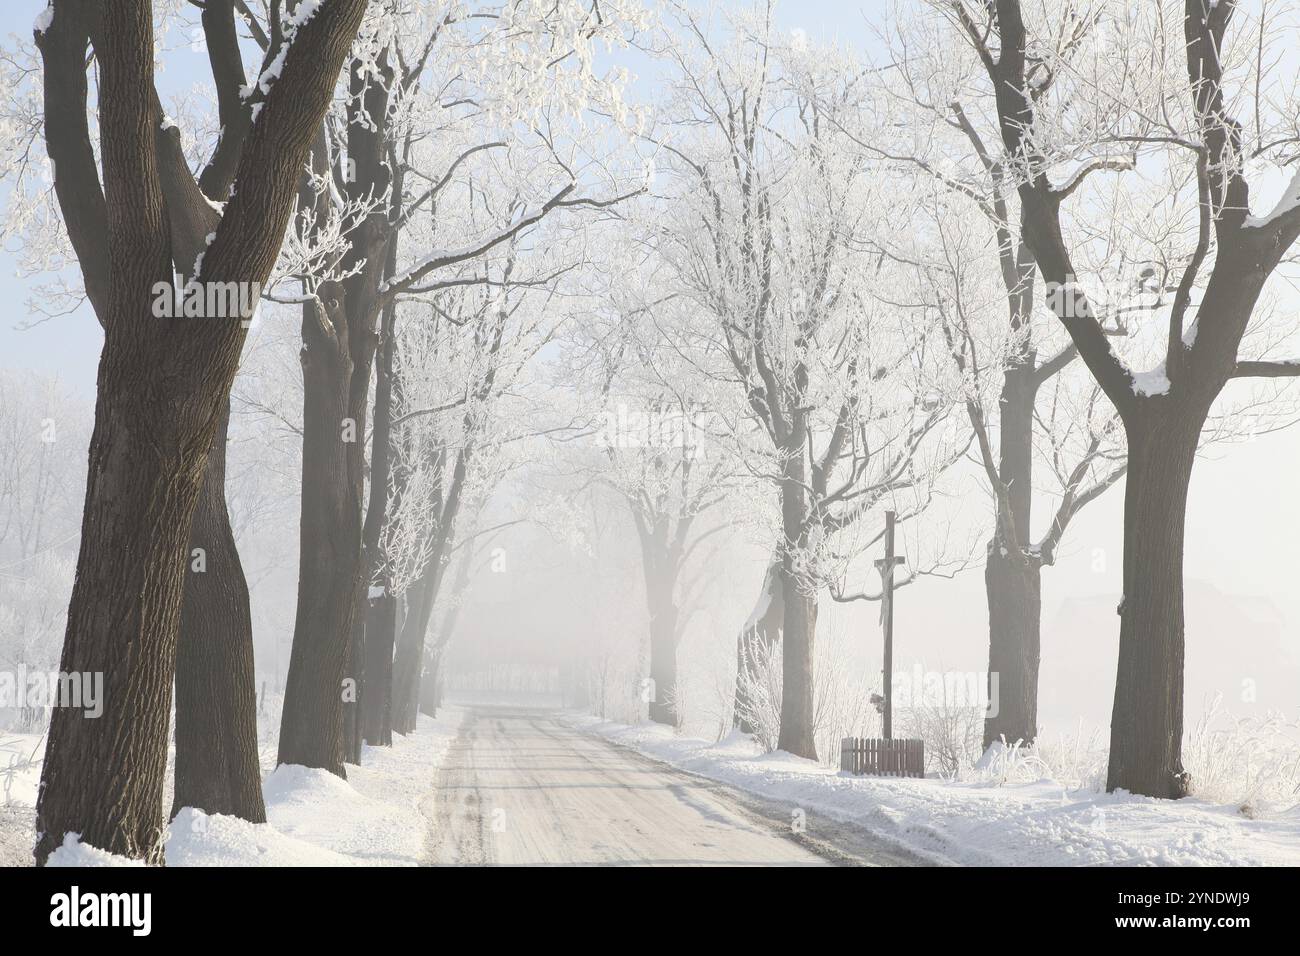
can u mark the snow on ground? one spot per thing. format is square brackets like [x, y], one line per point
[982, 823]
[374, 818]
[314, 818]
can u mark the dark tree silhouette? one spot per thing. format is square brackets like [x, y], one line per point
[163, 383]
[1163, 424]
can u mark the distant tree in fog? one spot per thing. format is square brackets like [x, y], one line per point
[765, 226]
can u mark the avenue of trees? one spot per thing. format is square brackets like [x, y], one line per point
[794, 286]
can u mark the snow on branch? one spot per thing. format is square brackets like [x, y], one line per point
[304, 11]
[1284, 368]
[1288, 205]
[1077, 178]
[443, 258]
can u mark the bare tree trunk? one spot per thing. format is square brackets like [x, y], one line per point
[660, 574]
[380, 622]
[1012, 576]
[146, 455]
[408, 663]
[122, 621]
[339, 347]
[1015, 609]
[800, 627]
[663, 662]
[797, 639]
[429, 685]
[354, 702]
[217, 768]
[1146, 728]
[161, 387]
[377, 702]
[362, 350]
[329, 571]
[439, 683]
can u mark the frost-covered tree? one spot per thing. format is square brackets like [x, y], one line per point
[464, 356]
[766, 220]
[1029, 409]
[657, 450]
[1185, 99]
[445, 148]
[135, 215]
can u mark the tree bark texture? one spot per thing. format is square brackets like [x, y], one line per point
[799, 630]
[329, 555]
[217, 767]
[161, 387]
[1014, 590]
[380, 621]
[1146, 728]
[663, 646]
[408, 662]
[332, 580]
[1012, 576]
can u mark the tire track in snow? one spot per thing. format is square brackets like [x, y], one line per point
[521, 788]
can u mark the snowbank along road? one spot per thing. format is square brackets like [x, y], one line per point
[519, 787]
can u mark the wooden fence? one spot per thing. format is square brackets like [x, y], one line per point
[883, 758]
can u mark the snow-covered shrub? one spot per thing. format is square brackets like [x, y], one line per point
[677, 697]
[33, 613]
[616, 689]
[841, 697]
[1005, 763]
[714, 705]
[951, 726]
[1072, 761]
[705, 696]
[1069, 762]
[842, 692]
[15, 759]
[1250, 762]
[760, 693]
[1075, 761]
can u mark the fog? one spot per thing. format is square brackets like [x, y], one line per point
[590, 363]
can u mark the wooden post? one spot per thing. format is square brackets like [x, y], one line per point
[886, 568]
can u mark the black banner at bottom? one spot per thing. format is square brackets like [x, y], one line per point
[305, 905]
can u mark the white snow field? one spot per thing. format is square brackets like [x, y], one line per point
[980, 823]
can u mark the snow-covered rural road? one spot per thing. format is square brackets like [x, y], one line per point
[519, 787]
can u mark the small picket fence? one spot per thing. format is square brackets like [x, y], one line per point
[883, 758]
